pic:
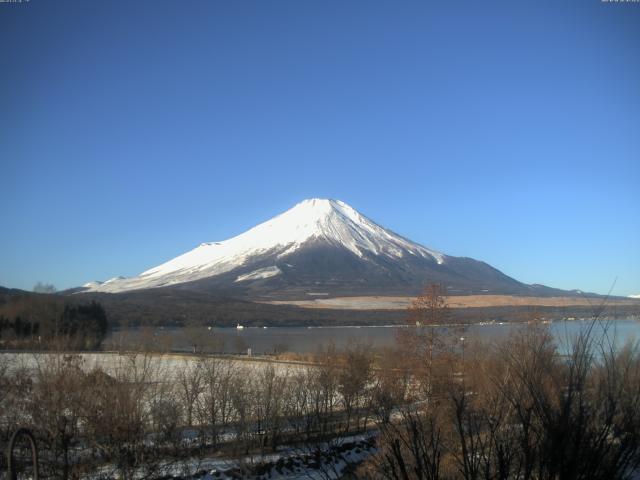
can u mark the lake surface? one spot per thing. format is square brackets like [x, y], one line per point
[311, 339]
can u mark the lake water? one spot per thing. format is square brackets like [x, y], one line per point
[310, 339]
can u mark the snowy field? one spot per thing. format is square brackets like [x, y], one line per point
[162, 368]
[326, 461]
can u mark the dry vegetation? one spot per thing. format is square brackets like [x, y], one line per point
[50, 322]
[456, 301]
[440, 406]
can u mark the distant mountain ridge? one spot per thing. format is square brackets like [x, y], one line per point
[320, 247]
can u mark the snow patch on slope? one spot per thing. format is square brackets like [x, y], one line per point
[267, 272]
[332, 221]
[634, 296]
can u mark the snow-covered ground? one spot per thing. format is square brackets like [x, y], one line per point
[163, 367]
[323, 461]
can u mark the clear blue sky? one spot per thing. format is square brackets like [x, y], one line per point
[131, 131]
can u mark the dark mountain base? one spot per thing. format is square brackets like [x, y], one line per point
[332, 271]
[177, 307]
[180, 308]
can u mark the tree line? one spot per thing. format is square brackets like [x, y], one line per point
[46, 322]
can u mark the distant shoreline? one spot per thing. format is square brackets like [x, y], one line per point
[462, 301]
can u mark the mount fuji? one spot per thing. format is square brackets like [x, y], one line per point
[319, 247]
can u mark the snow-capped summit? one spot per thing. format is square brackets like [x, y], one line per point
[315, 219]
[312, 220]
[319, 243]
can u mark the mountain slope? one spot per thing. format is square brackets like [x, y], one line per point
[319, 247]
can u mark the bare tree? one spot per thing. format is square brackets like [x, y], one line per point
[523, 410]
[215, 409]
[268, 399]
[56, 408]
[189, 383]
[353, 380]
[432, 338]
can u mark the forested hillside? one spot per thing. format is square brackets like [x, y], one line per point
[41, 321]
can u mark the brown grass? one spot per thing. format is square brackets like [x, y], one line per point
[462, 301]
